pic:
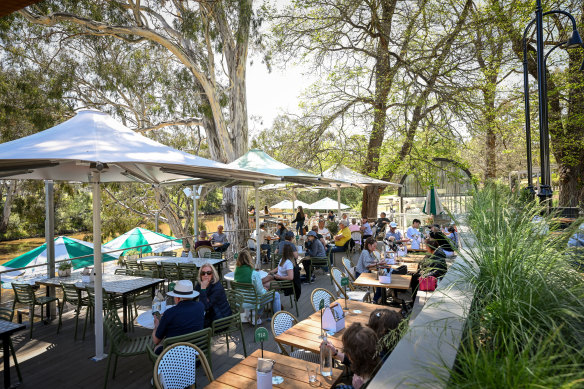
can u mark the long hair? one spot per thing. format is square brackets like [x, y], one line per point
[287, 253]
[369, 241]
[215, 274]
[244, 258]
[301, 211]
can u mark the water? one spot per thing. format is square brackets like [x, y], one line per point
[326, 359]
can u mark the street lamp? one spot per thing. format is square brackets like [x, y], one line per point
[575, 41]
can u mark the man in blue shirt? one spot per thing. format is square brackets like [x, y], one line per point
[220, 237]
[287, 242]
[315, 249]
[185, 317]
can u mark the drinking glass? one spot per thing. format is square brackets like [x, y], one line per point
[311, 370]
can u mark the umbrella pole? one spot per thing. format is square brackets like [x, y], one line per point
[50, 236]
[339, 201]
[195, 214]
[257, 216]
[99, 355]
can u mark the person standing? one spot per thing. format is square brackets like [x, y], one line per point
[299, 220]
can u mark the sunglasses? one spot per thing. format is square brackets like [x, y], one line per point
[206, 273]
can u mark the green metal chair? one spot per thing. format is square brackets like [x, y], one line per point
[171, 272]
[143, 273]
[133, 264]
[188, 271]
[120, 344]
[72, 295]
[280, 286]
[110, 303]
[8, 314]
[201, 339]
[153, 267]
[123, 272]
[24, 294]
[230, 324]
[213, 255]
[319, 262]
[251, 297]
[168, 253]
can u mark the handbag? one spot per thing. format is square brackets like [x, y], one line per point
[428, 284]
[403, 269]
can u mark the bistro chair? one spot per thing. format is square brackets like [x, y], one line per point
[120, 344]
[352, 294]
[213, 254]
[143, 273]
[170, 271]
[230, 324]
[201, 339]
[188, 271]
[8, 314]
[201, 250]
[153, 267]
[357, 237]
[24, 294]
[319, 294]
[283, 321]
[72, 295]
[320, 262]
[349, 268]
[286, 286]
[110, 303]
[176, 366]
[251, 298]
[133, 264]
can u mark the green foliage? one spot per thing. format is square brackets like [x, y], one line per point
[333, 227]
[526, 324]
[64, 265]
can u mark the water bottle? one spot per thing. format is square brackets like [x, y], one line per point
[326, 359]
[156, 304]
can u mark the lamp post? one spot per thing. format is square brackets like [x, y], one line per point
[545, 191]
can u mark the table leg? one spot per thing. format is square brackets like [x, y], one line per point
[383, 296]
[125, 311]
[6, 356]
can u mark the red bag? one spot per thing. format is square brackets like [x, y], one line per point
[428, 284]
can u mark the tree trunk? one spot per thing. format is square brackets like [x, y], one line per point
[234, 209]
[173, 219]
[370, 203]
[7, 206]
[491, 137]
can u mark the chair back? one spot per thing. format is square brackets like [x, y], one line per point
[175, 368]
[132, 264]
[201, 338]
[170, 271]
[23, 293]
[201, 250]
[329, 254]
[168, 254]
[213, 254]
[356, 236]
[251, 243]
[337, 274]
[153, 267]
[113, 327]
[348, 265]
[143, 273]
[319, 294]
[6, 314]
[71, 293]
[235, 300]
[246, 290]
[188, 271]
[123, 272]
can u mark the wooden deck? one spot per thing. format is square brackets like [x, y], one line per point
[50, 360]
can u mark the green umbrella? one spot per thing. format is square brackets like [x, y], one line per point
[433, 206]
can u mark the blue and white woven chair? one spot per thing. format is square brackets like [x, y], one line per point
[349, 268]
[175, 368]
[319, 294]
[355, 295]
[281, 322]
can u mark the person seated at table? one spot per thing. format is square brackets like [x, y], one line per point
[345, 219]
[331, 216]
[397, 234]
[203, 240]
[359, 352]
[354, 227]
[453, 236]
[186, 316]
[281, 231]
[314, 249]
[288, 242]
[381, 222]
[212, 294]
[326, 234]
[443, 242]
[245, 273]
[433, 264]
[365, 229]
[318, 237]
[413, 231]
[385, 323]
[342, 239]
[220, 237]
[366, 260]
[263, 240]
[285, 269]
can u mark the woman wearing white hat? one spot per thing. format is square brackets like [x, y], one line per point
[185, 317]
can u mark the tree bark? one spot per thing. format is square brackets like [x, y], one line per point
[173, 219]
[370, 203]
[7, 206]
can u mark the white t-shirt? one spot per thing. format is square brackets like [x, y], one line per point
[411, 232]
[262, 238]
[283, 270]
[324, 232]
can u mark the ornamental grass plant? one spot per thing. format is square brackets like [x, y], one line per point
[525, 328]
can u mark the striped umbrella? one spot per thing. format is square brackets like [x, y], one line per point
[433, 206]
[138, 236]
[65, 248]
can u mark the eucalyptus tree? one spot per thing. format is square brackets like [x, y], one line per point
[210, 42]
[387, 65]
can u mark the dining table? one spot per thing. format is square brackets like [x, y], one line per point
[292, 370]
[7, 328]
[306, 333]
[117, 284]
[398, 281]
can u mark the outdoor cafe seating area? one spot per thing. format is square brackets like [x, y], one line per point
[59, 352]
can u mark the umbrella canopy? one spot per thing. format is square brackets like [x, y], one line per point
[351, 177]
[93, 140]
[327, 203]
[433, 206]
[287, 204]
[65, 248]
[140, 236]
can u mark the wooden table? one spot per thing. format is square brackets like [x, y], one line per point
[112, 283]
[243, 375]
[7, 328]
[305, 334]
[397, 282]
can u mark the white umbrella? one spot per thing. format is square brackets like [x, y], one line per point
[93, 147]
[287, 204]
[327, 203]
